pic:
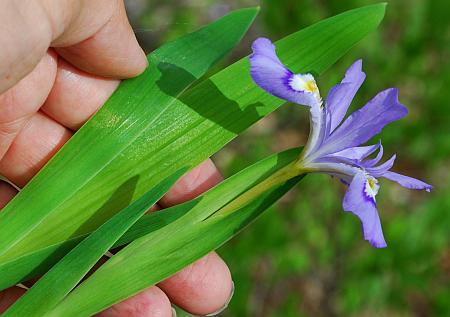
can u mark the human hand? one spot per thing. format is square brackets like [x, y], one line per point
[60, 60]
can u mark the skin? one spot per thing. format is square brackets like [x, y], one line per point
[60, 60]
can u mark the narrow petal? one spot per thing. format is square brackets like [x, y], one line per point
[373, 162]
[366, 122]
[382, 168]
[352, 156]
[406, 181]
[340, 96]
[357, 153]
[361, 204]
[271, 75]
[316, 128]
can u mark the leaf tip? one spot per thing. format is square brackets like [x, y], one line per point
[253, 11]
[383, 5]
[378, 11]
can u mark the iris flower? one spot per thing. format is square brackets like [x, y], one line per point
[334, 144]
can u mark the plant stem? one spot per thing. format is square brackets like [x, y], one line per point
[286, 173]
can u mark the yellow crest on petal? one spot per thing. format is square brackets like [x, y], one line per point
[311, 86]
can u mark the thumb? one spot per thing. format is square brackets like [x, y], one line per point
[94, 36]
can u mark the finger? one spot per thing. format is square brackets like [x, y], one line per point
[202, 288]
[151, 302]
[19, 103]
[76, 95]
[7, 192]
[197, 181]
[152, 209]
[9, 296]
[113, 51]
[41, 24]
[24, 38]
[33, 146]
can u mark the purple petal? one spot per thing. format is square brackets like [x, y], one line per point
[340, 96]
[407, 181]
[372, 162]
[264, 47]
[351, 156]
[366, 122]
[357, 153]
[271, 75]
[361, 204]
[383, 168]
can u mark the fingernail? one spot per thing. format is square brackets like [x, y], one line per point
[226, 304]
[174, 312]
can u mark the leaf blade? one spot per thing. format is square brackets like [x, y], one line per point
[38, 262]
[190, 132]
[123, 118]
[68, 272]
[157, 257]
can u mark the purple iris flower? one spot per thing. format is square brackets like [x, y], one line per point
[333, 146]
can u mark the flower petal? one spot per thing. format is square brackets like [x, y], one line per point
[340, 96]
[361, 204]
[407, 181]
[372, 162]
[356, 153]
[352, 156]
[366, 122]
[271, 75]
[316, 128]
[383, 168]
[263, 47]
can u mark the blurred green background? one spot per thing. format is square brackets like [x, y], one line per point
[305, 256]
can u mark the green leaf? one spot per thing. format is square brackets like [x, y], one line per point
[195, 126]
[38, 262]
[78, 189]
[50, 289]
[153, 257]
